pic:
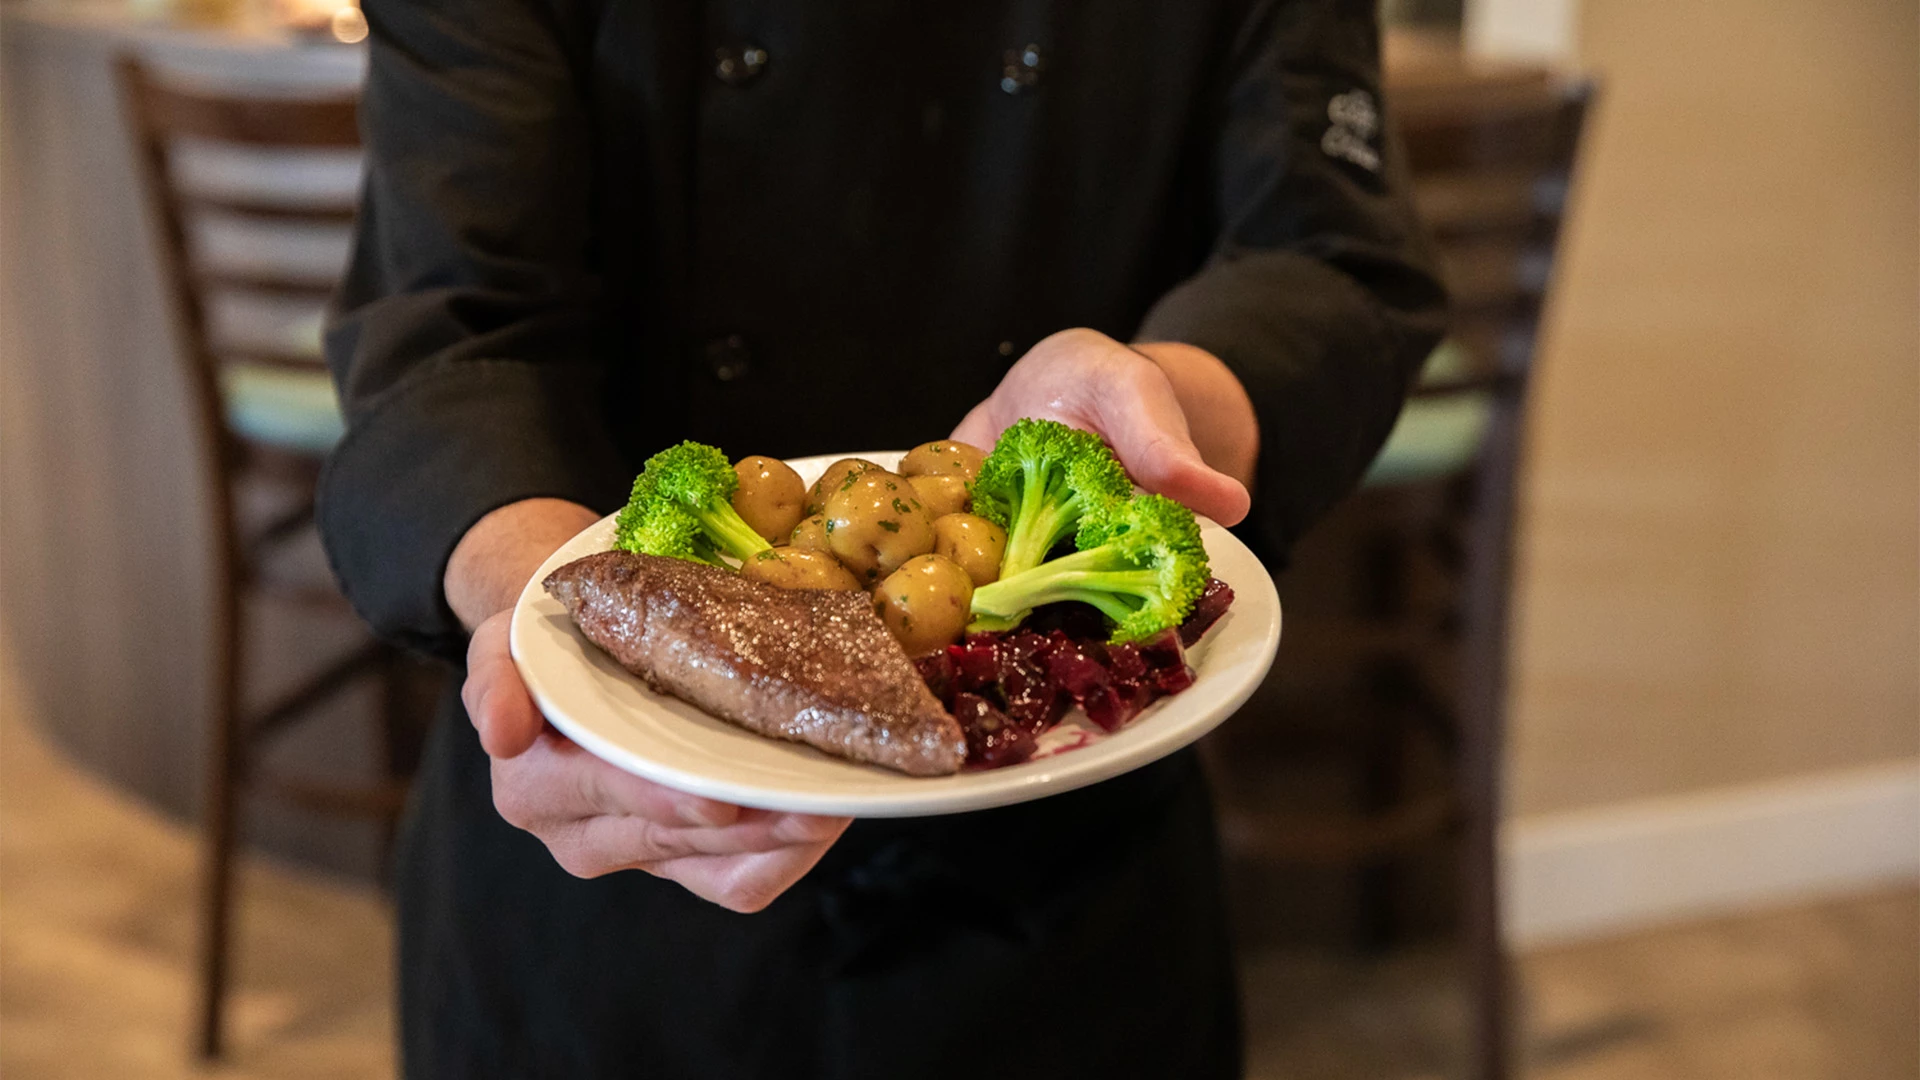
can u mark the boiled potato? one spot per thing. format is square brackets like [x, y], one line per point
[796, 568]
[771, 496]
[925, 603]
[943, 458]
[837, 476]
[811, 534]
[875, 522]
[942, 494]
[972, 543]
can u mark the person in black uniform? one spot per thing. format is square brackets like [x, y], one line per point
[593, 228]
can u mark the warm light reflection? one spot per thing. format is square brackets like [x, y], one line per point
[342, 21]
[349, 25]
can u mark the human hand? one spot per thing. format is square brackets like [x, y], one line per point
[596, 819]
[1141, 400]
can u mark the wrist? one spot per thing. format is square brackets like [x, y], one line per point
[494, 559]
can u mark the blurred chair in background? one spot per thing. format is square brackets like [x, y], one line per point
[247, 302]
[1416, 647]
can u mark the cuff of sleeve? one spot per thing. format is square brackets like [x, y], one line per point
[1324, 371]
[435, 453]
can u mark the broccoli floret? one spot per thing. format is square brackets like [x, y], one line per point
[1040, 481]
[682, 508]
[1142, 564]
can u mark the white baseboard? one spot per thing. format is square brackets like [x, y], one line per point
[1594, 873]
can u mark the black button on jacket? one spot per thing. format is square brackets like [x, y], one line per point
[595, 227]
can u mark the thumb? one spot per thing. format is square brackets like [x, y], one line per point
[496, 700]
[1149, 433]
[1171, 466]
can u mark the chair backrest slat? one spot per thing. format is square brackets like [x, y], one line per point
[1491, 172]
[183, 112]
[334, 213]
[162, 115]
[270, 284]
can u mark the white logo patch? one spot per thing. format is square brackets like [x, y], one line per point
[1353, 122]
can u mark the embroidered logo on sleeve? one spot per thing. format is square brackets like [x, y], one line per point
[1353, 121]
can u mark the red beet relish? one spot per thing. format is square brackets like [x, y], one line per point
[1007, 688]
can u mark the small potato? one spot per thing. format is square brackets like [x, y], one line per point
[792, 568]
[942, 494]
[925, 603]
[811, 534]
[972, 543]
[875, 523]
[837, 476]
[943, 458]
[770, 497]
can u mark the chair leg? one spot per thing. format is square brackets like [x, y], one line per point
[1483, 714]
[1488, 976]
[224, 776]
[1383, 780]
[1381, 594]
[396, 758]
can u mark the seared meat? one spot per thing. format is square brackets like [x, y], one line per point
[813, 666]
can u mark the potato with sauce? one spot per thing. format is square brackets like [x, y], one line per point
[925, 603]
[799, 568]
[875, 522]
[810, 534]
[838, 475]
[771, 497]
[942, 495]
[943, 457]
[972, 543]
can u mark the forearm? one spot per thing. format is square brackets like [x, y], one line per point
[494, 559]
[1219, 413]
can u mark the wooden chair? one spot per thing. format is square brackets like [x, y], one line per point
[1426, 548]
[267, 416]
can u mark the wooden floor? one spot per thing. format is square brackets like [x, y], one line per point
[1829, 991]
[96, 949]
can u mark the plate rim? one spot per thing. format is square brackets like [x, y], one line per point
[1067, 771]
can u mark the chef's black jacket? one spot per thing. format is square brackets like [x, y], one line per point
[595, 227]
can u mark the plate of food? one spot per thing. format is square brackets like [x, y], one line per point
[894, 634]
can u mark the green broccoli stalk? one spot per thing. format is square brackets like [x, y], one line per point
[1040, 481]
[1140, 562]
[682, 508]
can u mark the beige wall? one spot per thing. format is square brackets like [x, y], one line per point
[1718, 571]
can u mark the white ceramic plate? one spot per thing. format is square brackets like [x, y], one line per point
[614, 716]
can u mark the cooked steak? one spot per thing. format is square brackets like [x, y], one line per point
[813, 666]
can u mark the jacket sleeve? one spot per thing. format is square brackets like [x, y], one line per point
[462, 339]
[1318, 292]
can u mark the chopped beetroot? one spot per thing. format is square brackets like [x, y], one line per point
[1163, 651]
[1213, 603]
[937, 671]
[975, 663]
[992, 739]
[1020, 648]
[1008, 688]
[1032, 700]
[1173, 680]
[1113, 705]
[1126, 663]
[1075, 668]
